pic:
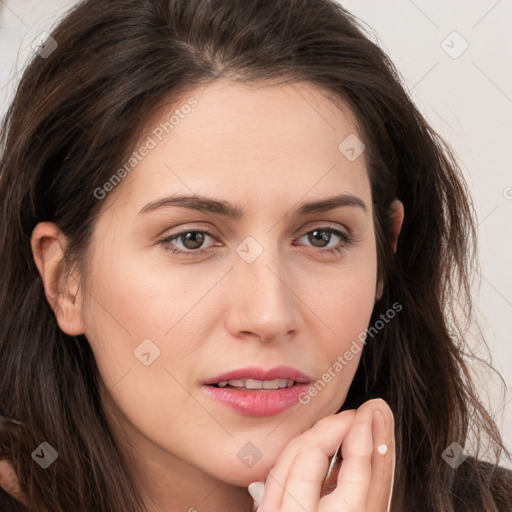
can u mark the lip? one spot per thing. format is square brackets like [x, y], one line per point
[261, 402]
[258, 373]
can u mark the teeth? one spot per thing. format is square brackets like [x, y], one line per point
[257, 384]
[272, 384]
[253, 384]
[237, 383]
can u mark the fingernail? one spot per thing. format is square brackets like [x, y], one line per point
[256, 490]
[382, 449]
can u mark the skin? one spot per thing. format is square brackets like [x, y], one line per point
[208, 313]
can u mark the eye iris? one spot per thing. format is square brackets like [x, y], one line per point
[324, 236]
[194, 238]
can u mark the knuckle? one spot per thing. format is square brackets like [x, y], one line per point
[378, 404]
[344, 505]
[357, 450]
[333, 420]
[295, 444]
[308, 445]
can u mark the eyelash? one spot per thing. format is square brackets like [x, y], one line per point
[347, 239]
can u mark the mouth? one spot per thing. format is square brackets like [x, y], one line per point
[255, 391]
[255, 377]
[255, 384]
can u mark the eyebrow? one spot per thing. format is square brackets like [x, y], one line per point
[224, 208]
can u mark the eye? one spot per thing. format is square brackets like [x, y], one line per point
[320, 238]
[192, 241]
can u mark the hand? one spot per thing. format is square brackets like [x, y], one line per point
[365, 479]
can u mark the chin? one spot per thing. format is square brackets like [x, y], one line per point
[244, 478]
[233, 472]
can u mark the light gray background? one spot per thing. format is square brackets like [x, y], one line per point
[468, 99]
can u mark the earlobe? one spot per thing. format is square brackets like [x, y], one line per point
[397, 214]
[379, 291]
[60, 286]
[9, 482]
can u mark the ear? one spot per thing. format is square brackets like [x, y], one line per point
[9, 482]
[397, 216]
[60, 286]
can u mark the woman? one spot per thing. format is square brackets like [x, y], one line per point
[230, 245]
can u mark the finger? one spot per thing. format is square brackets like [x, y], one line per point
[256, 490]
[383, 464]
[331, 480]
[355, 471]
[306, 474]
[328, 434]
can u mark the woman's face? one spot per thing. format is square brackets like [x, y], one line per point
[162, 323]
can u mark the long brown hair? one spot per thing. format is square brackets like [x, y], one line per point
[76, 117]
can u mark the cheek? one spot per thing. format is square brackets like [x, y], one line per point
[344, 296]
[120, 316]
[344, 303]
[127, 320]
[142, 320]
[347, 316]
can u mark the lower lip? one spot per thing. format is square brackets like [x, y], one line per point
[259, 402]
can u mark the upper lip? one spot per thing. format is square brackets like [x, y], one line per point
[258, 373]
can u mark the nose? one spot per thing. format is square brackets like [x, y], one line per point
[263, 304]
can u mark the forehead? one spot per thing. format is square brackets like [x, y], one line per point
[252, 141]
